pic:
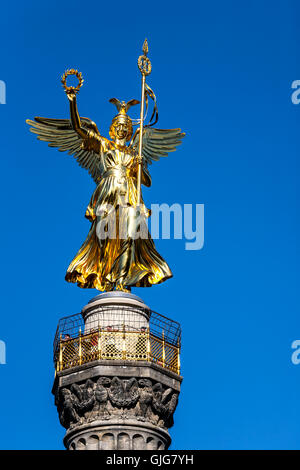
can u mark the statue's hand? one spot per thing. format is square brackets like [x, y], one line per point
[71, 94]
[71, 90]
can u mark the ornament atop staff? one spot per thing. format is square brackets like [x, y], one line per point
[145, 67]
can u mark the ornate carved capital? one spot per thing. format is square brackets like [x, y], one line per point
[113, 398]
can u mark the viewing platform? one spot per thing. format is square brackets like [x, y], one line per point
[117, 375]
[117, 333]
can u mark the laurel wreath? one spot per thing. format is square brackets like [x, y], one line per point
[72, 89]
[144, 64]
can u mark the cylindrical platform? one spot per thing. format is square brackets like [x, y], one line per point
[115, 309]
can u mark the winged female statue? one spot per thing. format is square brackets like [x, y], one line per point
[112, 256]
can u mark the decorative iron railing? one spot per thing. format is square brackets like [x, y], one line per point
[117, 345]
[159, 343]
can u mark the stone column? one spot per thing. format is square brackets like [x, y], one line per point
[114, 308]
[116, 404]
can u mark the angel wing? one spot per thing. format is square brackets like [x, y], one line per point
[60, 133]
[172, 404]
[156, 143]
[77, 392]
[132, 391]
[166, 395]
[116, 392]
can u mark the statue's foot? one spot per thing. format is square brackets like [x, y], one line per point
[123, 288]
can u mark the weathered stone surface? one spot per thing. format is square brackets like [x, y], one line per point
[117, 435]
[92, 400]
[122, 368]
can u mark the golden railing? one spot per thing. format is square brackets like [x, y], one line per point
[117, 345]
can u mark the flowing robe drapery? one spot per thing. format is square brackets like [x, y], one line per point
[119, 249]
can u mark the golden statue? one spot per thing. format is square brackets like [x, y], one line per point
[119, 252]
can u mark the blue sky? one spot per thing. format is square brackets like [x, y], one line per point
[222, 71]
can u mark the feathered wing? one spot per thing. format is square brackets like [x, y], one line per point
[132, 391]
[60, 133]
[156, 143]
[116, 392]
[166, 395]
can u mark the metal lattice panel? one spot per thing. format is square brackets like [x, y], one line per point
[158, 343]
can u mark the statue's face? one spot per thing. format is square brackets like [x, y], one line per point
[121, 130]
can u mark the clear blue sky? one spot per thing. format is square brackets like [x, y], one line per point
[222, 72]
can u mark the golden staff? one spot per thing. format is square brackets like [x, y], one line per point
[145, 67]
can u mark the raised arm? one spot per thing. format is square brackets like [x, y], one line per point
[84, 127]
[75, 119]
[77, 136]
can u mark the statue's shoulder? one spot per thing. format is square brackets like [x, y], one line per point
[106, 144]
